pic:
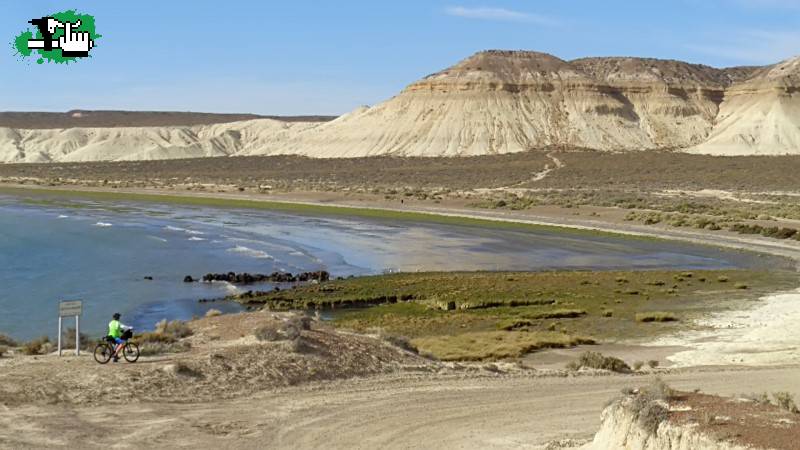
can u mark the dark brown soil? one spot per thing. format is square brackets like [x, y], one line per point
[652, 170]
[296, 172]
[744, 422]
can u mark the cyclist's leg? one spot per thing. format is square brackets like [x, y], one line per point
[118, 347]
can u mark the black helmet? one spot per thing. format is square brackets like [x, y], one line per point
[116, 316]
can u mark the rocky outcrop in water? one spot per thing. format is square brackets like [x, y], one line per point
[275, 277]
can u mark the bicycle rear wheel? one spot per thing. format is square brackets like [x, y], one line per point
[131, 352]
[103, 353]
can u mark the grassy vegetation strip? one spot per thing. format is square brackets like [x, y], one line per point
[606, 306]
[493, 344]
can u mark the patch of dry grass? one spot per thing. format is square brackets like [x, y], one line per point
[656, 316]
[595, 360]
[38, 346]
[167, 338]
[493, 344]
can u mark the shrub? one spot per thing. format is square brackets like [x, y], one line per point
[740, 286]
[513, 324]
[785, 401]
[656, 317]
[401, 342]
[722, 279]
[8, 341]
[165, 339]
[300, 322]
[213, 313]
[267, 333]
[778, 233]
[38, 346]
[653, 363]
[155, 343]
[68, 341]
[557, 314]
[761, 399]
[637, 366]
[608, 313]
[649, 404]
[746, 229]
[595, 360]
[3, 350]
[177, 328]
[289, 330]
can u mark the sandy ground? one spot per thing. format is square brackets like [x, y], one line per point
[410, 412]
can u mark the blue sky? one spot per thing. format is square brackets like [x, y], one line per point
[318, 57]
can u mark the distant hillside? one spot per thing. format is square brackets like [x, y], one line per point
[493, 102]
[113, 119]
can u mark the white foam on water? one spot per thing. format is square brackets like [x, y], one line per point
[103, 224]
[183, 230]
[766, 334]
[247, 251]
[159, 239]
[62, 216]
[195, 238]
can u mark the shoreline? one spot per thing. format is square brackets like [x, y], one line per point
[316, 203]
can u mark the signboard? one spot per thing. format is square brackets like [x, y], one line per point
[70, 308]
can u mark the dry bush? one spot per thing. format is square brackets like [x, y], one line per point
[595, 360]
[155, 343]
[301, 345]
[177, 328]
[289, 330]
[165, 339]
[785, 401]
[3, 350]
[213, 313]
[656, 317]
[68, 340]
[400, 342]
[38, 346]
[183, 370]
[268, 333]
[8, 341]
[651, 405]
[300, 322]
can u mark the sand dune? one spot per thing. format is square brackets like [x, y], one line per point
[491, 103]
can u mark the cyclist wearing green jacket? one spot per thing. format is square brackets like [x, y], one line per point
[115, 331]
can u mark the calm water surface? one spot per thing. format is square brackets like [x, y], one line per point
[52, 248]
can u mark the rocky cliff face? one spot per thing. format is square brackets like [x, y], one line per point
[621, 429]
[760, 115]
[492, 102]
[650, 420]
[499, 102]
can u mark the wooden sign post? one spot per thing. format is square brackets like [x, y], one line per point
[68, 309]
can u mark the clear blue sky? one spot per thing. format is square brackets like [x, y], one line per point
[325, 57]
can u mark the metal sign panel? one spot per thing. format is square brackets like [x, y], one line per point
[70, 308]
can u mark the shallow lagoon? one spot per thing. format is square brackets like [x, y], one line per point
[52, 248]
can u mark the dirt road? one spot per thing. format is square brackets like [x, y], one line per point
[418, 412]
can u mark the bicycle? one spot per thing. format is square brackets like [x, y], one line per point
[104, 350]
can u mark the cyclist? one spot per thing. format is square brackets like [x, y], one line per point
[117, 333]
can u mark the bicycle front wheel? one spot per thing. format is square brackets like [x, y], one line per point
[131, 352]
[103, 353]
